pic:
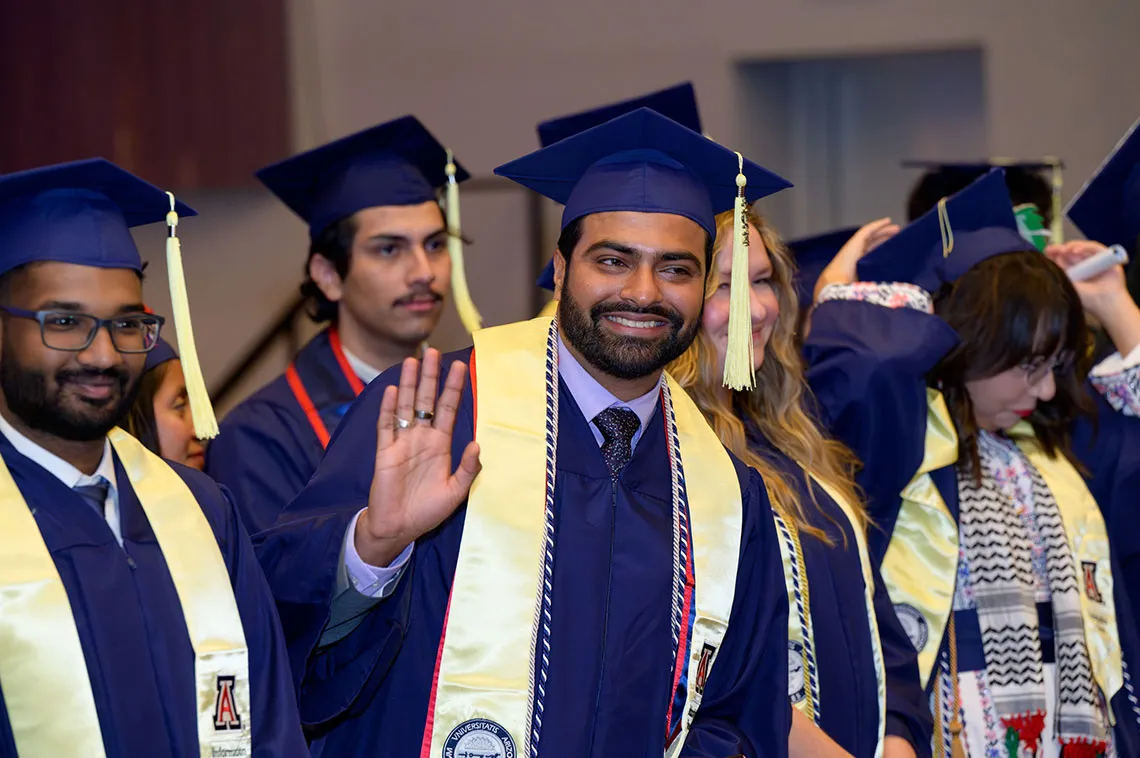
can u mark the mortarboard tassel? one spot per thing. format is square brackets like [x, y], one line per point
[468, 313]
[739, 369]
[946, 229]
[202, 411]
[1057, 228]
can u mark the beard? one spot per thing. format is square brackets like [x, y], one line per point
[60, 413]
[620, 356]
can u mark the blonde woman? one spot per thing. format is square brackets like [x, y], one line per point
[851, 669]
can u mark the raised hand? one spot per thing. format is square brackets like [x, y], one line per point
[842, 269]
[1105, 296]
[413, 489]
[1095, 293]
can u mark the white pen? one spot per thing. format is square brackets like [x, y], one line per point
[1098, 264]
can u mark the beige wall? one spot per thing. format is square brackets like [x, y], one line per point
[1060, 78]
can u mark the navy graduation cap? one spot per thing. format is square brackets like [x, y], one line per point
[395, 163]
[161, 353]
[82, 213]
[812, 254]
[1107, 208]
[967, 228]
[646, 163]
[642, 162]
[79, 212]
[678, 103]
[1037, 197]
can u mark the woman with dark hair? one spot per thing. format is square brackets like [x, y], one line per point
[851, 669]
[953, 360]
[160, 417]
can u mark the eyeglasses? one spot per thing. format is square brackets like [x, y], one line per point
[74, 332]
[1036, 369]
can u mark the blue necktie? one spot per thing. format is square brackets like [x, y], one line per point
[94, 494]
[618, 425]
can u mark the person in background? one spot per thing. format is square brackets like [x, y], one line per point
[160, 416]
[1029, 189]
[136, 620]
[852, 670]
[952, 358]
[381, 258]
[558, 558]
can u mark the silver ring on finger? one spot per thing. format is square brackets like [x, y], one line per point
[424, 415]
[402, 423]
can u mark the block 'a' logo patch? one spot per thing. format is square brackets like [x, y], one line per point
[708, 652]
[226, 716]
[1092, 591]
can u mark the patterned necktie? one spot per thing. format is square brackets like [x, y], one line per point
[94, 494]
[618, 425]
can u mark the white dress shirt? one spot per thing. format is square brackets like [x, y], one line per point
[71, 476]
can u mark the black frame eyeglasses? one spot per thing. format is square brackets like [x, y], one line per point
[74, 332]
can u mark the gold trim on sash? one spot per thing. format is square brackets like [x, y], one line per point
[801, 633]
[51, 709]
[921, 562]
[485, 680]
[1088, 543]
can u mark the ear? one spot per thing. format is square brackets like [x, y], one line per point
[559, 273]
[324, 275]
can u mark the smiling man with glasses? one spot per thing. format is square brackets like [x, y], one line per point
[133, 617]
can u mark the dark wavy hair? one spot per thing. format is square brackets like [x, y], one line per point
[1007, 310]
[334, 243]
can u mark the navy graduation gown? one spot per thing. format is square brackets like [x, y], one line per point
[139, 658]
[266, 449]
[849, 707]
[610, 683]
[867, 368]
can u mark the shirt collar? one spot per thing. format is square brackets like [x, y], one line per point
[363, 370]
[56, 466]
[592, 398]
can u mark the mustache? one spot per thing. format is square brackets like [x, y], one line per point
[120, 375]
[660, 311]
[419, 293]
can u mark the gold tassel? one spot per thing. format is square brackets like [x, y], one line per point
[739, 370]
[468, 314]
[957, 749]
[201, 410]
[946, 229]
[1057, 227]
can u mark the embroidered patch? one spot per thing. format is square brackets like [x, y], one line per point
[479, 738]
[797, 689]
[914, 625]
[226, 716]
[1092, 592]
[708, 652]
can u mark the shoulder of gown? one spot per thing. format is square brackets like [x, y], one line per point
[265, 452]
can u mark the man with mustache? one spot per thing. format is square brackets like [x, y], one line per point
[565, 559]
[134, 620]
[380, 261]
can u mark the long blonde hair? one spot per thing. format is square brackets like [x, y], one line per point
[776, 404]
